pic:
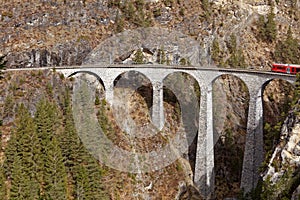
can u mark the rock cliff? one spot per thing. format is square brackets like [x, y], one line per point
[282, 177]
[39, 33]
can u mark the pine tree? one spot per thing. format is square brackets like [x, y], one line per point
[119, 23]
[236, 59]
[138, 57]
[232, 44]
[297, 90]
[2, 177]
[2, 183]
[292, 48]
[88, 179]
[10, 154]
[261, 27]
[55, 176]
[18, 190]
[81, 182]
[215, 51]
[288, 51]
[22, 185]
[52, 175]
[84, 173]
[20, 157]
[2, 62]
[270, 27]
[70, 145]
[161, 56]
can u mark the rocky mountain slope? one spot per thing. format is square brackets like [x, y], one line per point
[56, 32]
[281, 179]
[37, 33]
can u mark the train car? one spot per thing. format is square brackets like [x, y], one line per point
[285, 68]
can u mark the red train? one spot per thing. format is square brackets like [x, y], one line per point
[285, 68]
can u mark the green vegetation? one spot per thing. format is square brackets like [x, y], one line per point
[271, 137]
[184, 61]
[236, 59]
[216, 52]
[267, 28]
[138, 57]
[286, 184]
[288, 51]
[45, 159]
[161, 56]
[207, 9]
[119, 23]
[132, 11]
[2, 65]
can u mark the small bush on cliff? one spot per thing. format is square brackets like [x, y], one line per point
[139, 57]
[288, 51]
[2, 65]
[267, 28]
[236, 59]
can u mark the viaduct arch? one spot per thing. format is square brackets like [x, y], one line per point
[204, 167]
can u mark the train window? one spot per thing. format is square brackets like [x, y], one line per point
[288, 70]
[297, 69]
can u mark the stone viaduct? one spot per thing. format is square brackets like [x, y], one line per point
[204, 167]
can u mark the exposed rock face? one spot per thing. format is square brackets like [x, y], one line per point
[60, 55]
[282, 177]
[159, 45]
[231, 100]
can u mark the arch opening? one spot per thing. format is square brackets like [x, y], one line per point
[94, 81]
[137, 83]
[90, 73]
[277, 96]
[230, 114]
[181, 95]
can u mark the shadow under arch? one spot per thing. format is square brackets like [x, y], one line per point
[90, 73]
[182, 91]
[138, 82]
[277, 96]
[230, 96]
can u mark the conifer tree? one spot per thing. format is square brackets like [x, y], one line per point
[138, 57]
[81, 182]
[215, 51]
[270, 27]
[119, 21]
[84, 171]
[10, 153]
[52, 175]
[88, 179]
[236, 59]
[2, 183]
[2, 62]
[20, 157]
[55, 176]
[261, 27]
[288, 51]
[70, 145]
[267, 30]
[22, 185]
[2, 177]
[69, 141]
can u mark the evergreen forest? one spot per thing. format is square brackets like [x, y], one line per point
[44, 158]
